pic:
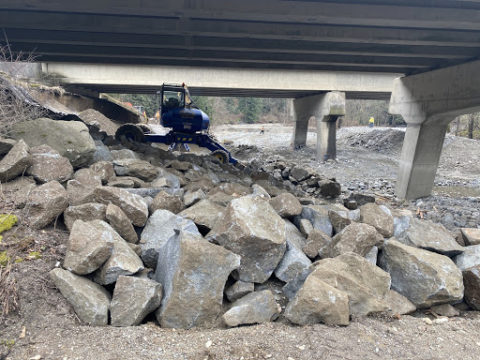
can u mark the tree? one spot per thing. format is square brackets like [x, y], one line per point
[251, 109]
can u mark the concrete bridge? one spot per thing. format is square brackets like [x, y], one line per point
[434, 45]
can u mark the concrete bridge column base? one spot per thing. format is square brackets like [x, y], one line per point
[326, 108]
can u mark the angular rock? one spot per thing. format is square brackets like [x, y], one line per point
[445, 310]
[180, 165]
[239, 289]
[78, 193]
[137, 168]
[339, 220]
[401, 223]
[70, 138]
[89, 300]
[286, 205]
[424, 277]
[375, 216]
[254, 308]
[132, 205]
[252, 229]
[46, 203]
[399, 304]
[318, 216]
[164, 200]
[133, 299]
[471, 236]
[124, 154]
[231, 189]
[122, 261]
[193, 273]
[121, 223]
[103, 170]
[95, 118]
[372, 255]
[471, 280]
[299, 173]
[85, 212]
[6, 145]
[48, 165]
[305, 226]
[469, 258]
[318, 243]
[160, 227]
[122, 182]
[329, 188]
[293, 263]
[260, 191]
[221, 198]
[192, 197]
[318, 302]
[361, 199]
[90, 244]
[16, 162]
[365, 284]
[205, 214]
[293, 235]
[356, 238]
[427, 235]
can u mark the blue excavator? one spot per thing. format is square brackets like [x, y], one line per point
[188, 124]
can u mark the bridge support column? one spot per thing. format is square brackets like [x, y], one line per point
[326, 108]
[428, 102]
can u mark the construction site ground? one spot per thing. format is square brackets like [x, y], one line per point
[45, 326]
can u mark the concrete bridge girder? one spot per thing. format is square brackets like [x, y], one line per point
[326, 109]
[428, 102]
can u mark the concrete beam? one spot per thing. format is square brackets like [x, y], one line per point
[326, 109]
[266, 81]
[428, 103]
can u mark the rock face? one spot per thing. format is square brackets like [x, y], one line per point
[90, 244]
[192, 197]
[471, 236]
[133, 299]
[16, 161]
[205, 214]
[375, 216]
[121, 223]
[318, 216]
[356, 238]
[339, 220]
[469, 258]
[193, 273]
[85, 212]
[238, 290]
[46, 202]
[471, 280]
[103, 170]
[318, 302]
[365, 284]
[48, 165]
[80, 189]
[286, 205]
[317, 244]
[132, 205]
[253, 230]
[160, 227]
[89, 300]
[430, 236]
[122, 261]
[399, 304]
[254, 308]
[424, 277]
[70, 138]
[164, 200]
[293, 263]
[137, 168]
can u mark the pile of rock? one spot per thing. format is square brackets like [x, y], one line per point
[179, 235]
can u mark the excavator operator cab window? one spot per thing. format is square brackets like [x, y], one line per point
[173, 99]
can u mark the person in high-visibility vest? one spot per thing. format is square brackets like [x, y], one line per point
[371, 122]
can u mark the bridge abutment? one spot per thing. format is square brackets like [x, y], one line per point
[325, 108]
[428, 102]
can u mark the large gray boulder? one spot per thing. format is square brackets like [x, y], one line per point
[132, 205]
[193, 273]
[469, 258]
[46, 203]
[357, 238]
[90, 244]
[160, 227]
[80, 189]
[133, 299]
[70, 138]
[293, 263]
[399, 304]
[166, 201]
[252, 229]
[16, 161]
[318, 244]
[318, 302]
[427, 235]
[318, 216]
[85, 212]
[365, 284]
[425, 278]
[255, 308]
[121, 223]
[122, 261]
[205, 214]
[379, 218]
[89, 300]
[48, 165]
[471, 281]
[103, 170]
[286, 205]
[137, 168]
